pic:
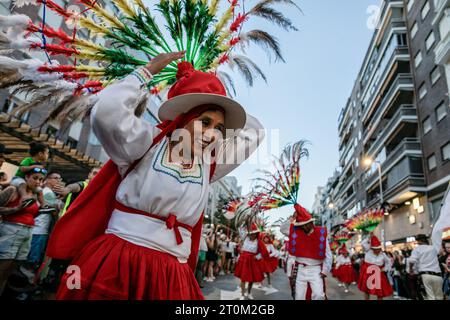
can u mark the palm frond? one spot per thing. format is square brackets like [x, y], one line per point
[272, 15]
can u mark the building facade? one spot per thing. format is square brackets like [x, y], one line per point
[425, 20]
[380, 142]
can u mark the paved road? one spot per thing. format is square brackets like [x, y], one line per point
[226, 288]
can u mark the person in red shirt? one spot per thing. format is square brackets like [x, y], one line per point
[18, 213]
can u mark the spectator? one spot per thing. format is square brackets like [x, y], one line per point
[44, 220]
[228, 249]
[426, 259]
[398, 272]
[18, 220]
[39, 155]
[444, 261]
[72, 191]
[201, 260]
[58, 267]
[211, 254]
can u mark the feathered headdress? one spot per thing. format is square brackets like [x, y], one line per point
[133, 35]
[366, 220]
[342, 236]
[281, 187]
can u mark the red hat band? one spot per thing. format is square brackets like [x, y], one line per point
[194, 81]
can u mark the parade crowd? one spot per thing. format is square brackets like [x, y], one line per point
[31, 202]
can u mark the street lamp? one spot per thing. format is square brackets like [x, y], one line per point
[369, 162]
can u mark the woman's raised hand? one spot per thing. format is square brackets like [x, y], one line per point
[158, 63]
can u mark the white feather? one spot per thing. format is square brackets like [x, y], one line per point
[22, 3]
[16, 20]
[12, 64]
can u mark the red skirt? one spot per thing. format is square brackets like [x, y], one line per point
[248, 268]
[369, 283]
[269, 265]
[114, 269]
[334, 271]
[346, 274]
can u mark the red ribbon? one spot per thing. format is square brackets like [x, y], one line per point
[172, 223]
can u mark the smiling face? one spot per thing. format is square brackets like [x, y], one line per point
[205, 130]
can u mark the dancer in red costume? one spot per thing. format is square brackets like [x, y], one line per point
[134, 232]
[249, 266]
[269, 264]
[345, 272]
[309, 245]
[373, 279]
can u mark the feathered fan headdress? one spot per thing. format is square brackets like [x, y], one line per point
[281, 186]
[132, 36]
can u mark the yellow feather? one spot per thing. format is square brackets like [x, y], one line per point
[92, 26]
[213, 7]
[125, 7]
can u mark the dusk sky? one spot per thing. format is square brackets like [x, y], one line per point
[303, 98]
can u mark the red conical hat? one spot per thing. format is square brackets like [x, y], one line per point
[343, 249]
[375, 243]
[254, 228]
[303, 216]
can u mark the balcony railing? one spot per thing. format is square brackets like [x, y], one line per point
[396, 52]
[408, 145]
[406, 113]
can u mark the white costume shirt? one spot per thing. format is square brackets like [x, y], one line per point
[326, 263]
[156, 185]
[425, 258]
[380, 260]
[342, 261]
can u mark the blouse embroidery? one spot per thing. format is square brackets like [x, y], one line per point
[162, 164]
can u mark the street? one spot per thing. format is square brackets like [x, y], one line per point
[226, 288]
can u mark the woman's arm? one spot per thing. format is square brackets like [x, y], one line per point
[124, 136]
[236, 149]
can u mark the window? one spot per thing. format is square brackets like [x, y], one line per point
[418, 59]
[430, 40]
[425, 10]
[435, 75]
[427, 125]
[414, 30]
[401, 39]
[410, 4]
[422, 91]
[446, 152]
[431, 162]
[441, 112]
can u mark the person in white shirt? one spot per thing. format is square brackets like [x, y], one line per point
[373, 279]
[313, 258]
[425, 257]
[248, 267]
[43, 221]
[228, 251]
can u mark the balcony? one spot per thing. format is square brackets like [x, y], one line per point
[403, 173]
[405, 114]
[408, 147]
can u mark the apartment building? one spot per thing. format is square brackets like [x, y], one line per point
[426, 19]
[380, 147]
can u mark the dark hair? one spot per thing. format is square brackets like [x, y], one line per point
[2, 174]
[422, 238]
[36, 147]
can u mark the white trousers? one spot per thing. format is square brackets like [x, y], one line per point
[433, 287]
[311, 275]
[289, 265]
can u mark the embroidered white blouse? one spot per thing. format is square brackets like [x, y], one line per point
[156, 185]
[380, 260]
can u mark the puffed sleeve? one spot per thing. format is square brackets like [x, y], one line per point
[236, 149]
[328, 261]
[285, 227]
[124, 136]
